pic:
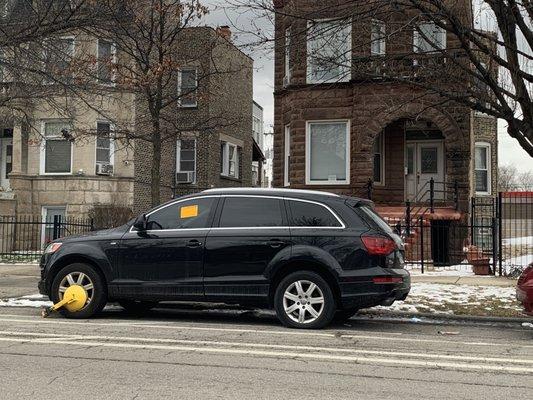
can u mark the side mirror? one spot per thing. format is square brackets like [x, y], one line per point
[140, 223]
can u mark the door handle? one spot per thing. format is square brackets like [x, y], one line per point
[194, 243]
[276, 243]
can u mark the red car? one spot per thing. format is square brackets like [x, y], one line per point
[524, 289]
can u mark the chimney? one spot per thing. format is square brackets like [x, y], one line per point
[225, 32]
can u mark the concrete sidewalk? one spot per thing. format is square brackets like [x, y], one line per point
[18, 280]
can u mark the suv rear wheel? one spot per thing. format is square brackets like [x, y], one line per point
[304, 300]
[87, 277]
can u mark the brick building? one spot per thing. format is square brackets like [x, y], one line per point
[336, 129]
[214, 154]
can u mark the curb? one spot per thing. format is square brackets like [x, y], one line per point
[446, 317]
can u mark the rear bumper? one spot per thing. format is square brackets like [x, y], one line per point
[364, 293]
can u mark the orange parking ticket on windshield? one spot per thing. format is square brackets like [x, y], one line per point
[189, 211]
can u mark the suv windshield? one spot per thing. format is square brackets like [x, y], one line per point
[373, 218]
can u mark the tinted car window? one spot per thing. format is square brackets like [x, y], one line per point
[311, 214]
[183, 215]
[374, 219]
[251, 212]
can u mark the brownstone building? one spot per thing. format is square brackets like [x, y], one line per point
[337, 127]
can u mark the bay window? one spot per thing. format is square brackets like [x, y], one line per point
[56, 148]
[429, 37]
[329, 51]
[328, 152]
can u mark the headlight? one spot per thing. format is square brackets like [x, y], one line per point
[52, 248]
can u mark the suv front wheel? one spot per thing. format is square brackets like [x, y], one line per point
[304, 300]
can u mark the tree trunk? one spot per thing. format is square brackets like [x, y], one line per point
[155, 184]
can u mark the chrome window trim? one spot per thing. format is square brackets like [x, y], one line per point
[343, 226]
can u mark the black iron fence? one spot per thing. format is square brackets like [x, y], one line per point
[23, 238]
[496, 238]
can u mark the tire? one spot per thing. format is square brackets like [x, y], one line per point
[97, 295]
[287, 298]
[136, 306]
[345, 315]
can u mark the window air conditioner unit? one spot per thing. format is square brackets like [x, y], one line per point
[287, 79]
[184, 177]
[104, 169]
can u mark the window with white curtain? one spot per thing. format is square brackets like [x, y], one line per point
[327, 152]
[329, 54]
[429, 37]
[482, 168]
[104, 143]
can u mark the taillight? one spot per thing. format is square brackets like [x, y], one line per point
[378, 245]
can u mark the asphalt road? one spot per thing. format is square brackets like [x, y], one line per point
[197, 354]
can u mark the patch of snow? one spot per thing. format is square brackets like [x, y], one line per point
[518, 241]
[32, 300]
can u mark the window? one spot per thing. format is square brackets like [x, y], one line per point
[106, 54]
[379, 162]
[187, 87]
[482, 168]
[311, 214]
[329, 52]
[257, 129]
[288, 55]
[104, 143]
[230, 160]
[49, 231]
[186, 157]
[429, 160]
[377, 38]
[287, 162]
[327, 153]
[190, 214]
[428, 38]
[58, 55]
[251, 212]
[56, 148]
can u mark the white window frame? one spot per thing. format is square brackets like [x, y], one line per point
[308, 179]
[42, 163]
[345, 75]
[113, 60]
[488, 160]
[287, 156]
[48, 40]
[180, 72]
[381, 181]
[226, 161]
[381, 40]
[111, 143]
[418, 38]
[178, 157]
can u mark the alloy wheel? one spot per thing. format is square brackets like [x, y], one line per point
[77, 278]
[303, 301]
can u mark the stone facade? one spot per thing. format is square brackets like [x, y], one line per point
[224, 94]
[372, 107]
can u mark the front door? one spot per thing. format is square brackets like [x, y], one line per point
[424, 160]
[6, 161]
[252, 233]
[166, 260]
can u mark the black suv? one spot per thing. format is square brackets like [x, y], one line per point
[311, 256]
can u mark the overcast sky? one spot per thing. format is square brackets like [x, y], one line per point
[241, 22]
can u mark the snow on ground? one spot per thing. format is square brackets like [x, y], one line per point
[519, 241]
[459, 300]
[33, 300]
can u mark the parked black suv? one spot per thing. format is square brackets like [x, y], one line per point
[309, 255]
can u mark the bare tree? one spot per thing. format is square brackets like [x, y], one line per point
[509, 179]
[489, 71]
